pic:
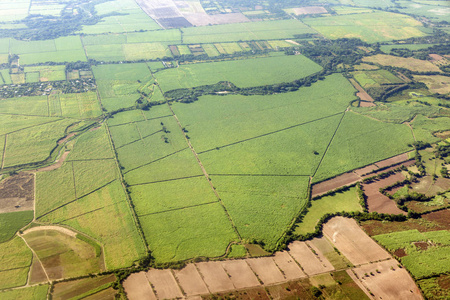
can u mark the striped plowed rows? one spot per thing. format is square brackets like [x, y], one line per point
[213, 277]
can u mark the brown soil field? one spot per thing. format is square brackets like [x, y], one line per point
[334, 183]
[409, 63]
[17, 193]
[266, 270]
[436, 57]
[379, 227]
[364, 103]
[37, 273]
[312, 263]
[291, 290]
[108, 294]
[202, 19]
[288, 266]
[137, 287]
[240, 274]
[362, 94]
[427, 186]
[435, 83]
[421, 245]
[366, 170]
[392, 161]
[215, 277]
[441, 218]
[58, 163]
[352, 241]
[400, 252]
[421, 207]
[378, 202]
[72, 289]
[165, 285]
[388, 280]
[310, 10]
[407, 164]
[258, 293]
[190, 281]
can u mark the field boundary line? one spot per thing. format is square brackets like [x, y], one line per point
[166, 180]
[74, 200]
[329, 144]
[52, 121]
[140, 139]
[270, 133]
[86, 213]
[18, 268]
[4, 152]
[140, 121]
[90, 159]
[268, 175]
[175, 209]
[219, 200]
[156, 160]
[37, 257]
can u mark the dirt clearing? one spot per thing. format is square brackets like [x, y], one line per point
[215, 277]
[58, 163]
[312, 263]
[352, 241]
[441, 218]
[266, 269]
[309, 10]
[385, 280]
[240, 274]
[288, 266]
[165, 285]
[392, 161]
[190, 281]
[334, 183]
[17, 193]
[137, 287]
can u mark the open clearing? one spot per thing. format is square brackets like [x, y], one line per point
[17, 193]
[409, 63]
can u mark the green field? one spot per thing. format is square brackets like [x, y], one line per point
[375, 78]
[210, 50]
[388, 48]
[36, 292]
[433, 260]
[170, 234]
[341, 201]
[35, 106]
[243, 73]
[92, 145]
[12, 222]
[244, 32]
[370, 27]
[15, 260]
[81, 105]
[48, 73]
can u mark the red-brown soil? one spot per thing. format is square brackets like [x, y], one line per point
[400, 252]
[291, 290]
[436, 57]
[334, 183]
[441, 218]
[362, 94]
[373, 227]
[266, 269]
[137, 287]
[37, 273]
[312, 263]
[421, 245]
[364, 103]
[72, 289]
[165, 285]
[378, 202]
[191, 281]
[108, 294]
[215, 277]
[63, 140]
[444, 282]
[392, 161]
[258, 293]
[240, 274]
[56, 165]
[17, 193]
[366, 170]
[352, 241]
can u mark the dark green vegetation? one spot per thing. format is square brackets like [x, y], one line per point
[155, 141]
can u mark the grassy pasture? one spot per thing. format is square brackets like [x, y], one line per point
[80, 105]
[231, 48]
[15, 260]
[435, 83]
[127, 72]
[210, 50]
[227, 117]
[375, 78]
[425, 127]
[342, 201]
[32, 77]
[33, 144]
[10, 123]
[409, 63]
[262, 207]
[12, 222]
[186, 233]
[36, 292]
[63, 255]
[57, 56]
[360, 141]
[126, 117]
[18, 78]
[92, 215]
[48, 73]
[388, 48]
[104, 39]
[112, 52]
[432, 260]
[93, 174]
[25, 47]
[167, 36]
[145, 51]
[92, 145]
[86, 286]
[243, 73]
[6, 77]
[435, 10]
[370, 27]
[244, 32]
[170, 195]
[36, 106]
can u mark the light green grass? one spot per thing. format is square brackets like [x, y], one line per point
[375, 78]
[36, 292]
[145, 51]
[370, 27]
[48, 73]
[12, 222]
[127, 72]
[347, 201]
[187, 233]
[36, 106]
[388, 48]
[6, 76]
[262, 207]
[210, 50]
[31, 77]
[113, 52]
[80, 105]
[10, 123]
[361, 141]
[184, 49]
[231, 48]
[425, 127]
[244, 31]
[172, 36]
[91, 175]
[33, 144]
[243, 73]
[15, 260]
[92, 145]
[56, 56]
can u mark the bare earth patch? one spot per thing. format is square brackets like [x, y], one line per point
[191, 281]
[409, 63]
[352, 242]
[309, 10]
[17, 193]
[392, 161]
[334, 183]
[385, 280]
[165, 285]
[215, 277]
[137, 287]
[266, 269]
[312, 263]
[288, 266]
[58, 163]
[240, 274]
